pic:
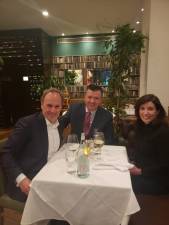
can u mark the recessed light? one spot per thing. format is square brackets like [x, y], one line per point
[63, 34]
[25, 78]
[137, 22]
[45, 13]
[142, 9]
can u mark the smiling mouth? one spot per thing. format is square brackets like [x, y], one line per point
[147, 119]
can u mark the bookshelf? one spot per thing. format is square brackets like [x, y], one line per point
[80, 62]
[97, 65]
[134, 80]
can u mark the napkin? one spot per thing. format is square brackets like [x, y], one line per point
[123, 167]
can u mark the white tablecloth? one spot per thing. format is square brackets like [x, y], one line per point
[105, 197]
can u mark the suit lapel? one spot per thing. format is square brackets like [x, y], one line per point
[43, 134]
[60, 130]
[80, 120]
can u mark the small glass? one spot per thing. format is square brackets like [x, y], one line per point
[71, 152]
[98, 140]
[70, 157]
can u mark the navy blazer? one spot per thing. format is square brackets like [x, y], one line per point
[25, 151]
[103, 121]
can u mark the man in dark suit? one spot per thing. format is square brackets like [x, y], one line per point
[100, 118]
[32, 143]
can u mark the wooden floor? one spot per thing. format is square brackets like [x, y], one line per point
[11, 217]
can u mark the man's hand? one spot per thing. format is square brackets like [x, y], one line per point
[25, 185]
[135, 171]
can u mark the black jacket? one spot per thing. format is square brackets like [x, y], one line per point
[148, 147]
[25, 151]
[103, 121]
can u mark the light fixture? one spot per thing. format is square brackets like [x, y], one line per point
[25, 78]
[137, 22]
[63, 34]
[113, 31]
[45, 13]
[87, 32]
[142, 9]
[134, 31]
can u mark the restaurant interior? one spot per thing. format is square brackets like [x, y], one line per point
[64, 41]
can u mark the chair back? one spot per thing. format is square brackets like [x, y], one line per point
[2, 181]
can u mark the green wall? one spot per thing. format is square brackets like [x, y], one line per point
[77, 48]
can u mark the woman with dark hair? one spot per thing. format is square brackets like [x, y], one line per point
[148, 147]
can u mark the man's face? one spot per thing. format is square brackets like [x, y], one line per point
[92, 99]
[51, 106]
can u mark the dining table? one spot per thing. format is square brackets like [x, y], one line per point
[104, 197]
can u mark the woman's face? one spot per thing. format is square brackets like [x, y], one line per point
[148, 112]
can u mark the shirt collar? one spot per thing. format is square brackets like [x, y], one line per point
[92, 113]
[52, 125]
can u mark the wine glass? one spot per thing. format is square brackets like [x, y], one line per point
[71, 152]
[72, 142]
[98, 140]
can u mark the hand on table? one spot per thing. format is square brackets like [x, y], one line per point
[25, 185]
[135, 171]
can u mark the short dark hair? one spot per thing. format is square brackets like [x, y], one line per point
[51, 90]
[94, 87]
[155, 100]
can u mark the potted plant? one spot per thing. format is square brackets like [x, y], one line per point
[70, 77]
[123, 52]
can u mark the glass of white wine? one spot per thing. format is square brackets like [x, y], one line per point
[98, 140]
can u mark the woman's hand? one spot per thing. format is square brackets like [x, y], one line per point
[135, 171]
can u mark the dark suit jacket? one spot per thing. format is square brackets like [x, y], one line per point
[102, 121]
[26, 151]
[148, 147]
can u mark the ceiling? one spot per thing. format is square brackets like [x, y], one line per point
[71, 17]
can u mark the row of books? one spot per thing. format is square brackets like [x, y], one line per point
[79, 59]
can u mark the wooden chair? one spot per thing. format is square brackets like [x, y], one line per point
[5, 201]
[4, 133]
[154, 210]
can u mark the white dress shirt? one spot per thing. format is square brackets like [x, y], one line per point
[53, 138]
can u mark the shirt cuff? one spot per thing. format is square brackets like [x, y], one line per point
[19, 178]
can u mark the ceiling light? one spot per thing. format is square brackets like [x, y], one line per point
[137, 22]
[25, 78]
[134, 31]
[87, 33]
[63, 34]
[142, 9]
[113, 31]
[45, 13]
